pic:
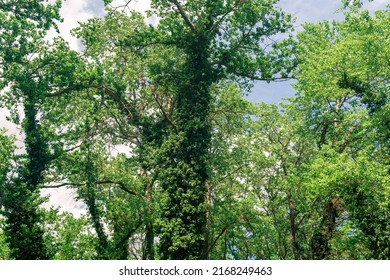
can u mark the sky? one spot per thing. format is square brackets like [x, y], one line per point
[74, 11]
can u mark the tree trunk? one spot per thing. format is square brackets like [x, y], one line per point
[206, 249]
[149, 231]
[320, 242]
[22, 199]
[183, 172]
[293, 228]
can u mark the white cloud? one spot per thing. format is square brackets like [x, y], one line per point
[64, 200]
[11, 128]
[73, 12]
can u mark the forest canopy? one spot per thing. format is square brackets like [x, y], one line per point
[203, 173]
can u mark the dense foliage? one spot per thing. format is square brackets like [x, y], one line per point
[150, 127]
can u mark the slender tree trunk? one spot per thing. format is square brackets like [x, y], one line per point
[293, 227]
[149, 230]
[206, 249]
[90, 200]
[102, 248]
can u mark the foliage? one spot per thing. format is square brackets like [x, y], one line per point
[218, 39]
[23, 27]
[342, 89]
[69, 238]
[151, 129]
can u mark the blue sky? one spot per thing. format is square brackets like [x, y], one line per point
[303, 11]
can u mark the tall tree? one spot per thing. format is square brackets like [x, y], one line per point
[211, 41]
[217, 40]
[6, 156]
[343, 97]
[23, 27]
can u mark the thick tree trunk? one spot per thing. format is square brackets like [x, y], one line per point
[320, 246]
[184, 170]
[23, 229]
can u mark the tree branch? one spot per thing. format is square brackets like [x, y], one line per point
[70, 89]
[131, 112]
[121, 185]
[234, 7]
[62, 185]
[184, 15]
[306, 214]
[166, 116]
[217, 238]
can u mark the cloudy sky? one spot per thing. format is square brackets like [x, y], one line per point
[74, 11]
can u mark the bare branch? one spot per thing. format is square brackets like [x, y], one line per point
[62, 185]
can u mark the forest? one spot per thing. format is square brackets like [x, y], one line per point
[150, 127]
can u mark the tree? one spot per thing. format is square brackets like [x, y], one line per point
[128, 113]
[176, 131]
[342, 94]
[306, 184]
[69, 238]
[23, 29]
[151, 128]
[217, 40]
[6, 155]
